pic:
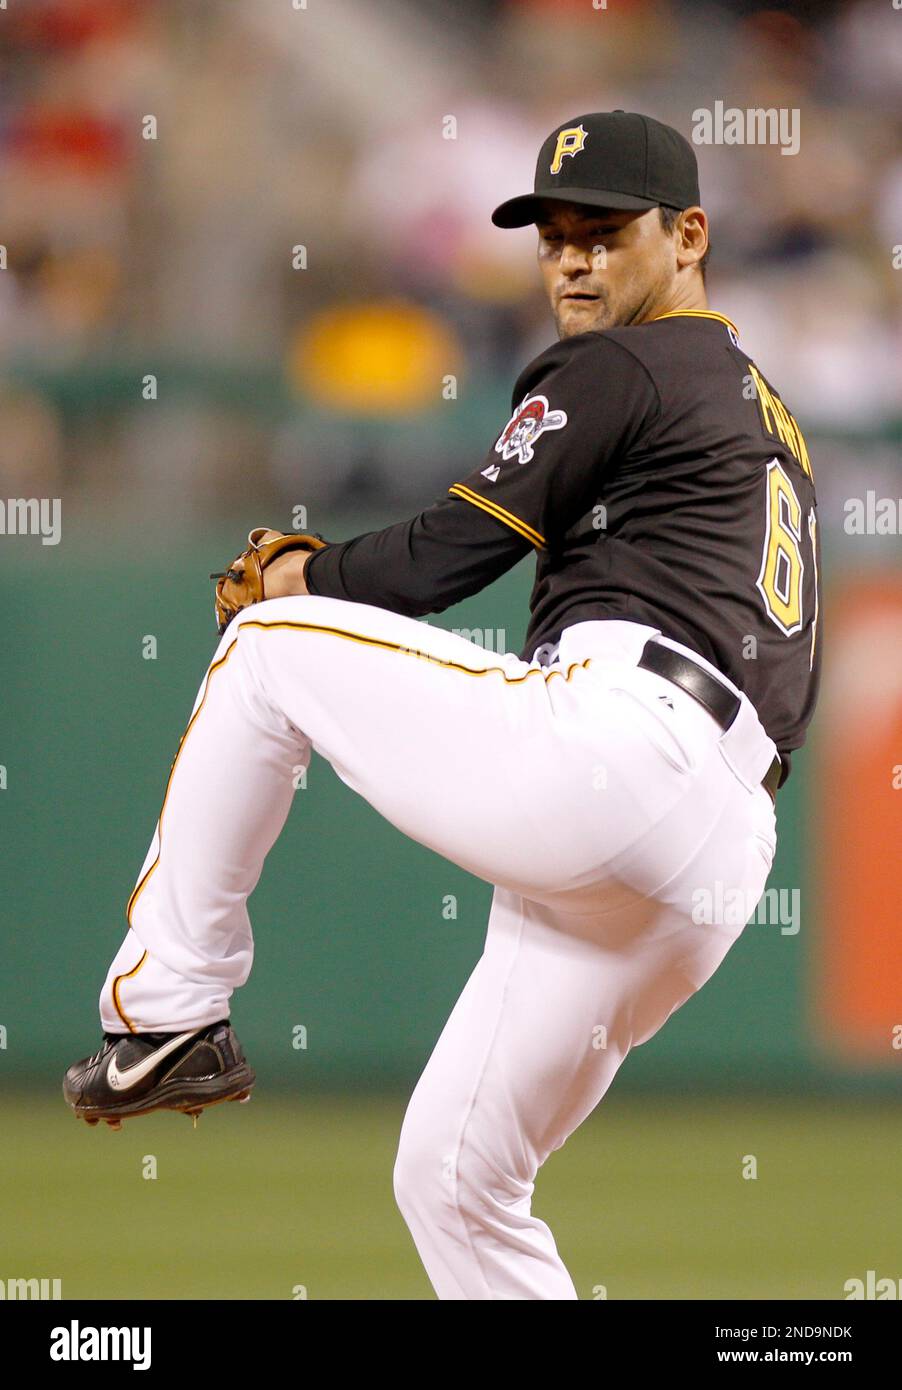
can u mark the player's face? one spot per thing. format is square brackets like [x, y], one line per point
[603, 268]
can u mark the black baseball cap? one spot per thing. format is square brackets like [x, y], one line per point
[610, 159]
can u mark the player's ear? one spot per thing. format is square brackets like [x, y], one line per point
[692, 225]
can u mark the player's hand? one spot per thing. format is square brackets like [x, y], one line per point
[285, 575]
[272, 566]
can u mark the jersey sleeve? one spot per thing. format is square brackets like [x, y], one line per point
[576, 409]
[424, 565]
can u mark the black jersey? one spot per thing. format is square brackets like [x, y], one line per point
[659, 479]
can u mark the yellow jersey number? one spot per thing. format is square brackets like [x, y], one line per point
[782, 564]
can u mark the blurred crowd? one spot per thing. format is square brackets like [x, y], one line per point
[248, 250]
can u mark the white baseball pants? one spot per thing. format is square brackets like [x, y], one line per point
[608, 809]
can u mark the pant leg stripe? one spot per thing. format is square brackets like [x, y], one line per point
[348, 636]
[116, 1000]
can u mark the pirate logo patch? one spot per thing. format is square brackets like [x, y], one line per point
[527, 423]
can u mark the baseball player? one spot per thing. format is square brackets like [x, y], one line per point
[615, 781]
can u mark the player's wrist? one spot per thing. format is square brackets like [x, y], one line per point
[284, 577]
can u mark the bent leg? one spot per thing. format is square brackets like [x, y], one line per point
[475, 754]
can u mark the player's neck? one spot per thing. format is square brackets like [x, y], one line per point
[692, 298]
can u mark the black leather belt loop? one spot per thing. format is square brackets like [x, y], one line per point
[711, 694]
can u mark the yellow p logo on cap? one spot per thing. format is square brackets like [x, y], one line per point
[569, 141]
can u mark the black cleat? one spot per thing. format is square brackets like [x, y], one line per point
[135, 1073]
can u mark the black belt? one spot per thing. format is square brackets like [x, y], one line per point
[712, 694]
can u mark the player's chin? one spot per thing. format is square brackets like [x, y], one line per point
[575, 316]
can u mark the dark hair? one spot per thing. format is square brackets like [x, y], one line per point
[668, 222]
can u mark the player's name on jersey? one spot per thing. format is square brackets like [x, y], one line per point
[778, 422]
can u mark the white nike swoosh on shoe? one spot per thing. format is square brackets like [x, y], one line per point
[124, 1080]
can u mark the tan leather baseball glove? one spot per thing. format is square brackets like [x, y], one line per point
[242, 583]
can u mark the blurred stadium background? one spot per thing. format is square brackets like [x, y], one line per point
[312, 378]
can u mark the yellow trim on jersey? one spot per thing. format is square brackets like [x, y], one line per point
[697, 314]
[351, 637]
[119, 978]
[499, 513]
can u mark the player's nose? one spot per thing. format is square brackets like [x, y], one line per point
[576, 258]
